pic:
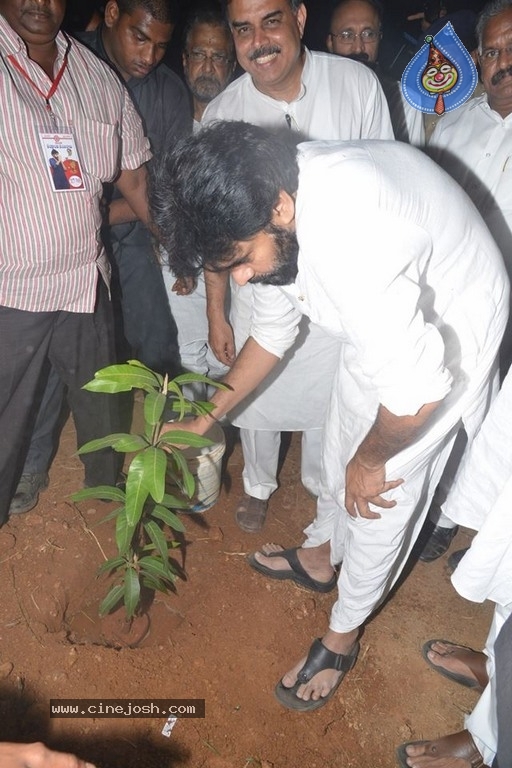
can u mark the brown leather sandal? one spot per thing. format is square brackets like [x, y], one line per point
[457, 745]
[475, 661]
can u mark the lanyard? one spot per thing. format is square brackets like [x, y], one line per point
[55, 84]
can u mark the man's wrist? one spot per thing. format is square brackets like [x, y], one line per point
[216, 314]
[370, 463]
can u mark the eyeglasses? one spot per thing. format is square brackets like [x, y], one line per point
[199, 57]
[489, 55]
[348, 36]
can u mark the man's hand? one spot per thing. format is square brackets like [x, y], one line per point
[37, 756]
[184, 285]
[221, 341]
[366, 485]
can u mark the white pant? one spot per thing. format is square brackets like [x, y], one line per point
[261, 456]
[374, 552]
[189, 312]
[482, 723]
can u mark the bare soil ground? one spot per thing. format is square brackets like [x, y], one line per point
[226, 636]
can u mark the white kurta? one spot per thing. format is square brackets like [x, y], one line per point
[419, 300]
[340, 99]
[474, 144]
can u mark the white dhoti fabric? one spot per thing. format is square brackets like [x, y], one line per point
[409, 335]
[189, 312]
[482, 499]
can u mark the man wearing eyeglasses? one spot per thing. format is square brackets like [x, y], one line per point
[316, 96]
[355, 33]
[474, 144]
[355, 30]
[208, 65]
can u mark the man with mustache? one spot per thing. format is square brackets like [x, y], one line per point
[208, 65]
[474, 144]
[132, 39]
[317, 96]
[208, 57]
[54, 277]
[355, 31]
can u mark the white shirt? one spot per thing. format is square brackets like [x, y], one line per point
[418, 304]
[474, 144]
[339, 99]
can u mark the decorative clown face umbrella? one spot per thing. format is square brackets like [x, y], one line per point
[441, 76]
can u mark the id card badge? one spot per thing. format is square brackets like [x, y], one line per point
[62, 161]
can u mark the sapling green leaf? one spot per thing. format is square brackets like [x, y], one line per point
[146, 508]
[131, 594]
[112, 600]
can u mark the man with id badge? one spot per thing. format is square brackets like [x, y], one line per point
[59, 102]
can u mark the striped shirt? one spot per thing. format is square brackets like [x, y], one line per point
[50, 246]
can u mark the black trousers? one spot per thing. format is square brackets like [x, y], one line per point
[503, 662]
[76, 345]
[138, 286]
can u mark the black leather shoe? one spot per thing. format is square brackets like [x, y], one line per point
[437, 543]
[27, 492]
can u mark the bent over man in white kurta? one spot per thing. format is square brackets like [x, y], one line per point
[417, 293]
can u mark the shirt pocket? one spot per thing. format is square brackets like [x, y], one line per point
[99, 146]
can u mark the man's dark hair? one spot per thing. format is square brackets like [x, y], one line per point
[294, 4]
[491, 9]
[375, 4]
[216, 188]
[205, 13]
[165, 11]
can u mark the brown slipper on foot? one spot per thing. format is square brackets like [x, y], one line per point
[474, 660]
[456, 745]
[250, 513]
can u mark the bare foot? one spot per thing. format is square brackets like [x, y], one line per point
[315, 560]
[323, 682]
[460, 660]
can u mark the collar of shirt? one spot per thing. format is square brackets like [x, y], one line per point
[482, 102]
[12, 43]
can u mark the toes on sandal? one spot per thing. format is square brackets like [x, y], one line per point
[319, 658]
[297, 573]
[476, 661]
[455, 745]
